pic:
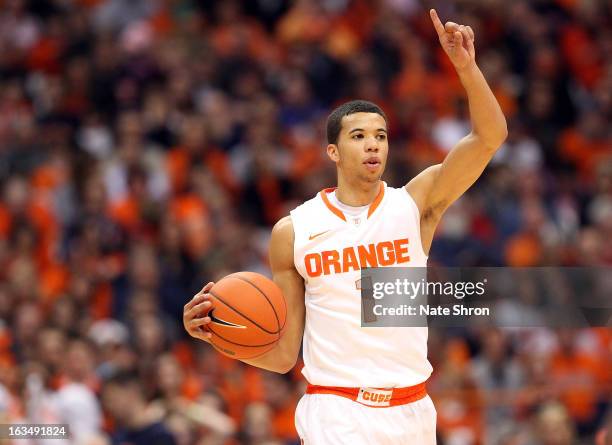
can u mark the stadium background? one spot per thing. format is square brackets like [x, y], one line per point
[146, 147]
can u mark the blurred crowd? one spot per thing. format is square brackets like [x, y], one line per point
[147, 147]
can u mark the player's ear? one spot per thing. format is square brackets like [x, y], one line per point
[333, 153]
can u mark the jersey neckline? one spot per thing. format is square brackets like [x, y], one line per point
[339, 213]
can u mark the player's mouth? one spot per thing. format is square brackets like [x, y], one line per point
[372, 163]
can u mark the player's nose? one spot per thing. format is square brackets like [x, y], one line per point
[371, 145]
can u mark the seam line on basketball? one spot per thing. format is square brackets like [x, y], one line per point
[239, 344]
[220, 349]
[268, 300]
[241, 314]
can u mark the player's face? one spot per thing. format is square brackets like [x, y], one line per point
[361, 151]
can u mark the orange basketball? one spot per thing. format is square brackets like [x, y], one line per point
[248, 315]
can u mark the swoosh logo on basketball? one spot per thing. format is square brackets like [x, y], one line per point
[214, 319]
[311, 237]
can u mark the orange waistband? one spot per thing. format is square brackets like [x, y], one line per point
[374, 397]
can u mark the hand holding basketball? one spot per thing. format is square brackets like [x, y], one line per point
[195, 314]
[242, 315]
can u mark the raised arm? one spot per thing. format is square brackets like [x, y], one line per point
[438, 186]
[284, 355]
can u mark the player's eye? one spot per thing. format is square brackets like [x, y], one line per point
[382, 137]
[357, 136]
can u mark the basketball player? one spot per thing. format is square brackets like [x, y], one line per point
[366, 385]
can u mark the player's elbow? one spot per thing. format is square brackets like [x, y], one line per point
[287, 364]
[493, 138]
[278, 360]
[497, 135]
[502, 133]
[281, 367]
[285, 368]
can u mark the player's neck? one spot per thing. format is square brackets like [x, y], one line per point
[357, 195]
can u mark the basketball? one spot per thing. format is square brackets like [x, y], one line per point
[248, 315]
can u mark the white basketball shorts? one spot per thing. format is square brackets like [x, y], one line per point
[327, 419]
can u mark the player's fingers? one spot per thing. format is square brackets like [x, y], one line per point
[204, 290]
[191, 303]
[208, 286]
[200, 296]
[204, 306]
[201, 334]
[465, 34]
[436, 22]
[197, 299]
[458, 37]
[470, 45]
[470, 32]
[198, 309]
[199, 322]
[451, 27]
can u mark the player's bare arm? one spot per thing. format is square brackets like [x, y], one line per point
[438, 186]
[285, 354]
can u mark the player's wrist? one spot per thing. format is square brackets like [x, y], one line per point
[468, 70]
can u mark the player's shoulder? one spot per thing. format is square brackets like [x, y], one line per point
[283, 232]
[311, 211]
[308, 205]
[398, 195]
[281, 243]
[394, 191]
[420, 186]
[283, 226]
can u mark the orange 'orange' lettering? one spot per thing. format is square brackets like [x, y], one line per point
[312, 261]
[401, 250]
[380, 250]
[349, 260]
[331, 258]
[367, 258]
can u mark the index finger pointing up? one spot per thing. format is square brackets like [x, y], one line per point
[436, 22]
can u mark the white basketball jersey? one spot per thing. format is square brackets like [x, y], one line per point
[329, 251]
